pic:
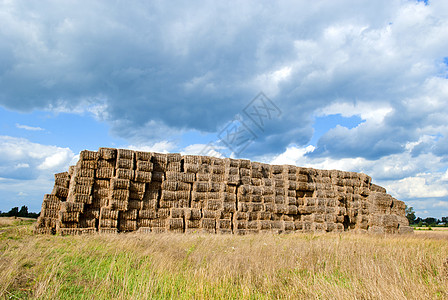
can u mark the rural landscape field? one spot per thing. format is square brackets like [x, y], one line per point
[179, 266]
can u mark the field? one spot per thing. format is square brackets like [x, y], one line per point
[310, 266]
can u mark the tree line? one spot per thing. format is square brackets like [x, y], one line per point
[429, 221]
[22, 212]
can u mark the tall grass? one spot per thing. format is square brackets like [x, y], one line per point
[132, 266]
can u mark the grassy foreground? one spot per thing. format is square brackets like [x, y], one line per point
[131, 266]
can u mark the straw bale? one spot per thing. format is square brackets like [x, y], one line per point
[182, 195]
[72, 207]
[87, 164]
[168, 195]
[62, 182]
[281, 209]
[143, 156]
[158, 222]
[177, 212]
[203, 176]
[163, 213]
[119, 183]
[145, 166]
[101, 184]
[214, 204]
[279, 199]
[80, 198]
[78, 172]
[69, 216]
[88, 155]
[121, 205]
[105, 172]
[125, 173]
[145, 223]
[224, 224]
[208, 223]
[130, 214]
[175, 223]
[291, 200]
[149, 203]
[107, 153]
[127, 225]
[125, 163]
[107, 213]
[125, 153]
[269, 199]
[196, 223]
[245, 180]
[169, 185]
[49, 213]
[210, 214]
[80, 189]
[174, 167]
[191, 168]
[245, 172]
[119, 195]
[60, 191]
[192, 214]
[63, 175]
[192, 159]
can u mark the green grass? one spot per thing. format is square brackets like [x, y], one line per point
[168, 266]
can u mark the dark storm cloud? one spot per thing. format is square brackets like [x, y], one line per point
[162, 69]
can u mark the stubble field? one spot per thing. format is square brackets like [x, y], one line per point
[159, 266]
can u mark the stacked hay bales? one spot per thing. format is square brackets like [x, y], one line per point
[119, 190]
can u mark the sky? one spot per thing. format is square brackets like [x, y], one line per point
[355, 85]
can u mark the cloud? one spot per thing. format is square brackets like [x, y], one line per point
[26, 127]
[154, 73]
[23, 160]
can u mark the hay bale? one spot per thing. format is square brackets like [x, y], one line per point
[127, 225]
[107, 213]
[105, 173]
[145, 166]
[106, 163]
[60, 192]
[119, 183]
[69, 216]
[175, 224]
[143, 156]
[107, 153]
[174, 167]
[208, 223]
[124, 163]
[143, 223]
[124, 173]
[108, 223]
[88, 155]
[130, 214]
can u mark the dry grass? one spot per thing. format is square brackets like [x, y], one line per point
[131, 266]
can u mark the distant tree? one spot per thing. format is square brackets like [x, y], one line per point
[410, 214]
[430, 221]
[23, 212]
[13, 212]
[445, 220]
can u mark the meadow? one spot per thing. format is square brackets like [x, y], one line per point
[176, 266]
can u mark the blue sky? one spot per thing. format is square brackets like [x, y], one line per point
[352, 85]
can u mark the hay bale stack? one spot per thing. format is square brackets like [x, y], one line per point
[120, 190]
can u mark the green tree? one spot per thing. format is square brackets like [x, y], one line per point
[410, 214]
[23, 212]
[13, 212]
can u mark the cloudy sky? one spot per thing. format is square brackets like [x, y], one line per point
[352, 85]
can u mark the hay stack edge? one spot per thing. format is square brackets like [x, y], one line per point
[120, 190]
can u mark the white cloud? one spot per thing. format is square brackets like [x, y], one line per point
[161, 147]
[20, 158]
[30, 128]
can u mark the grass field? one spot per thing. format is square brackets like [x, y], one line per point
[295, 266]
